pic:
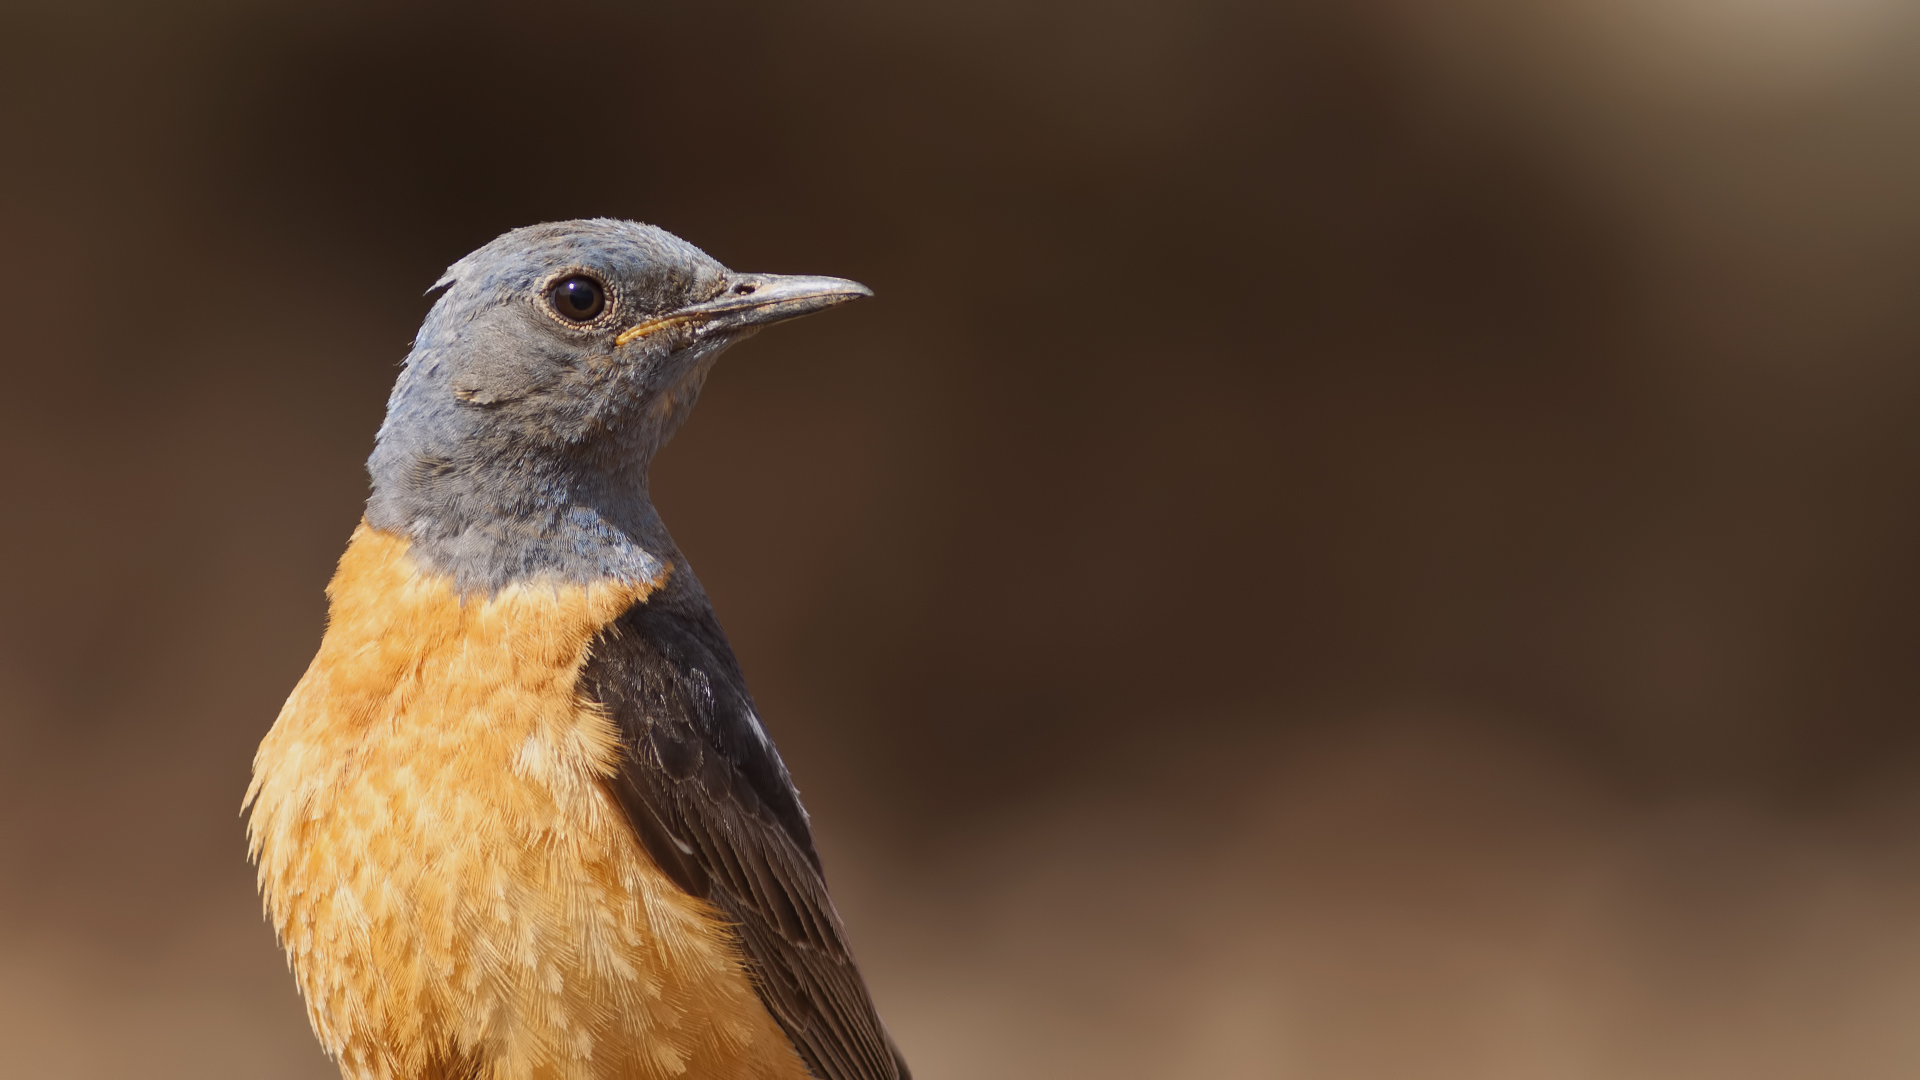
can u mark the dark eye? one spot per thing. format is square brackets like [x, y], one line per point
[579, 298]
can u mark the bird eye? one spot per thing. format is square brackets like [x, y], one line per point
[579, 298]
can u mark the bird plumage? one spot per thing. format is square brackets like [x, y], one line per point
[520, 819]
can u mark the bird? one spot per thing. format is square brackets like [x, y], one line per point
[520, 818]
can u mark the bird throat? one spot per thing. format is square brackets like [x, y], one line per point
[486, 539]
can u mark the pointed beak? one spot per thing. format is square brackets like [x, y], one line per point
[752, 301]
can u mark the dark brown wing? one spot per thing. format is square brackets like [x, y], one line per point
[712, 802]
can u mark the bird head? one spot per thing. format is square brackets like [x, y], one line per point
[558, 360]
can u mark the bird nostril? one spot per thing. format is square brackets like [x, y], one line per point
[742, 290]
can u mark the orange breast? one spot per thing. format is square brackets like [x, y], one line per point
[457, 891]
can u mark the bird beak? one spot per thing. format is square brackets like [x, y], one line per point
[752, 301]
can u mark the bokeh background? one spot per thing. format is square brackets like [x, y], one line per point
[1358, 540]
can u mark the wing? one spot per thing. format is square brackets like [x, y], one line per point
[711, 800]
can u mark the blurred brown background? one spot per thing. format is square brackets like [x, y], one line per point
[1357, 540]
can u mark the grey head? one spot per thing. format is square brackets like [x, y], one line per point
[559, 359]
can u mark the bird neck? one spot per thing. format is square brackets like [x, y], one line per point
[488, 528]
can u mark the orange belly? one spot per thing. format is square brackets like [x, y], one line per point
[458, 893]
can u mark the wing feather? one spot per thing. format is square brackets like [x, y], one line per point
[712, 802]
